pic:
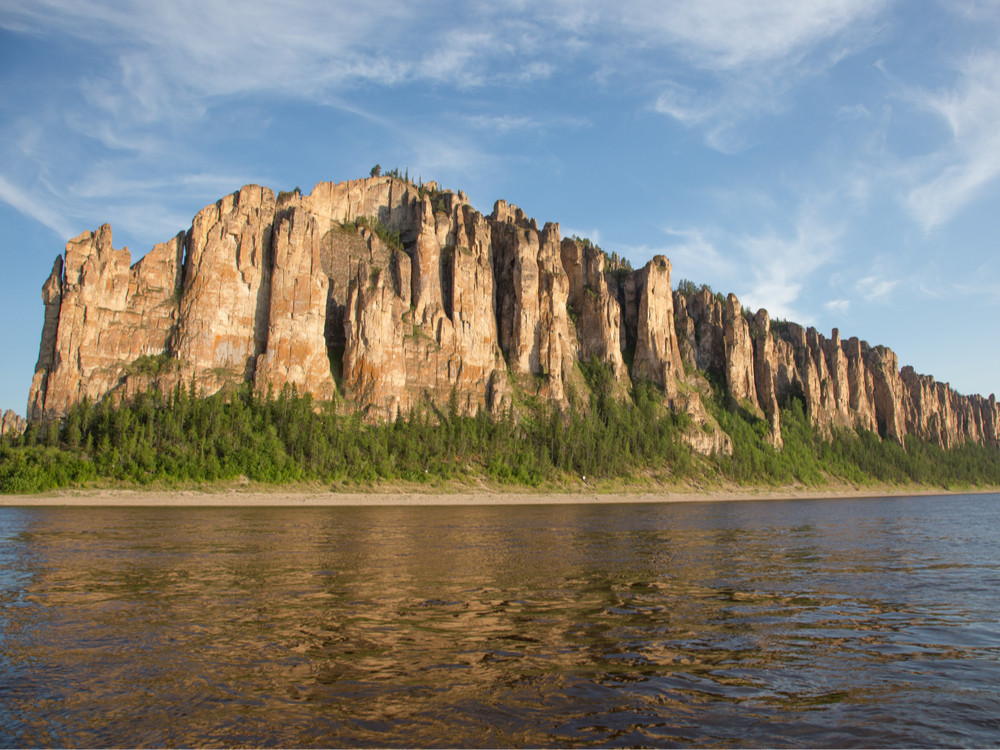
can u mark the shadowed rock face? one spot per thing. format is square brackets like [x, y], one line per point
[313, 291]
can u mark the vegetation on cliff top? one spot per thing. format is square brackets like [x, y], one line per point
[178, 437]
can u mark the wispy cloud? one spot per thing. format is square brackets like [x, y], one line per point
[39, 209]
[875, 287]
[962, 168]
[754, 54]
[782, 265]
[507, 123]
[186, 51]
[838, 306]
[766, 269]
[729, 35]
[694, 256]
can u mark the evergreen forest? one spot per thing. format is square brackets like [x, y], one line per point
[178, 438]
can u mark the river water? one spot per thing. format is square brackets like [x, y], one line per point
[840, 623]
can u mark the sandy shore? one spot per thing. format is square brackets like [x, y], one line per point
[452, 496]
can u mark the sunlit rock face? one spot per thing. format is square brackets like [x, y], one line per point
[12, 424]
[842, 384]
[382, 296]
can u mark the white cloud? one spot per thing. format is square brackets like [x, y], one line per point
[684, 104]
[169, 54]
[39, 209]
[753, 53]
[959, 171]
[169, 61]
[507, 123]
[838, 306]
[875, 287]
[694, 257]
[727, 35]
[781, 266]
[853, 112]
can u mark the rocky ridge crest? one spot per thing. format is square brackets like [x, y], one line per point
[385, 296]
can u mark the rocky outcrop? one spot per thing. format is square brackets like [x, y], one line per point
[738, 356]
[841, 384]
[383, 297]
[594, 305]
[764, 376]
[12, 424]
[657, 354]
[700, 331]
[531, 304]
[104, 321]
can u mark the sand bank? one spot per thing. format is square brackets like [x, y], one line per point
[380, 496]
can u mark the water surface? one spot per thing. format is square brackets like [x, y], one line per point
[841, 623]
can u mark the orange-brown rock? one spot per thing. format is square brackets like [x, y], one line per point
[299, 300]
[593, 301]
[860, 387]
[842, 384]
[764, 361]
[52, 299]
[12, 424]
[700, 330]
[532, 296]
[223, 311]
[738, 353]
[657, 355]
[386, 296]
[101, 317]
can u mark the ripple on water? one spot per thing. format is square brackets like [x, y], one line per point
[841, 623]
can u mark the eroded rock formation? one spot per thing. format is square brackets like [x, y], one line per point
[12, 424]
[842, 384]
[384, 296]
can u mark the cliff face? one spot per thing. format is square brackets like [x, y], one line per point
[842, 383]
[12, 423]
[464, 311]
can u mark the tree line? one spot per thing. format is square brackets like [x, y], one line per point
[180, 437]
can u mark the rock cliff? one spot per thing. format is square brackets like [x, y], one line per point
[841, 383]
[12, 424]
[384, 296]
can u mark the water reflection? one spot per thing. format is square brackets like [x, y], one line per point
[819, 623]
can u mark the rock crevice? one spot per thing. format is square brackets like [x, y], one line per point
[383, 296]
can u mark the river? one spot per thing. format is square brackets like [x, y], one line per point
[854, 622]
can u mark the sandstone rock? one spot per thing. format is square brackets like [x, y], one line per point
[705, 311]
[738, 353]
[101, 319]
[593, 299]
[837, 365]
[225, 299]
[52, 299]
[12, 424]
[685, 330]
[861, 388]
[657, 356]
[297, 350]
[704, 436]
[374, 362]
[449, 351]
[532, 294]
[397, 295]
[888, 392]
[764, 364]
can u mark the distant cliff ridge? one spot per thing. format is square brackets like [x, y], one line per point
[12, 424]
[385, 295]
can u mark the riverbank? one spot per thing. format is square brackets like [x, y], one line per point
[397, 494]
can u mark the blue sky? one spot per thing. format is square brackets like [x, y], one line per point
[835, 161]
